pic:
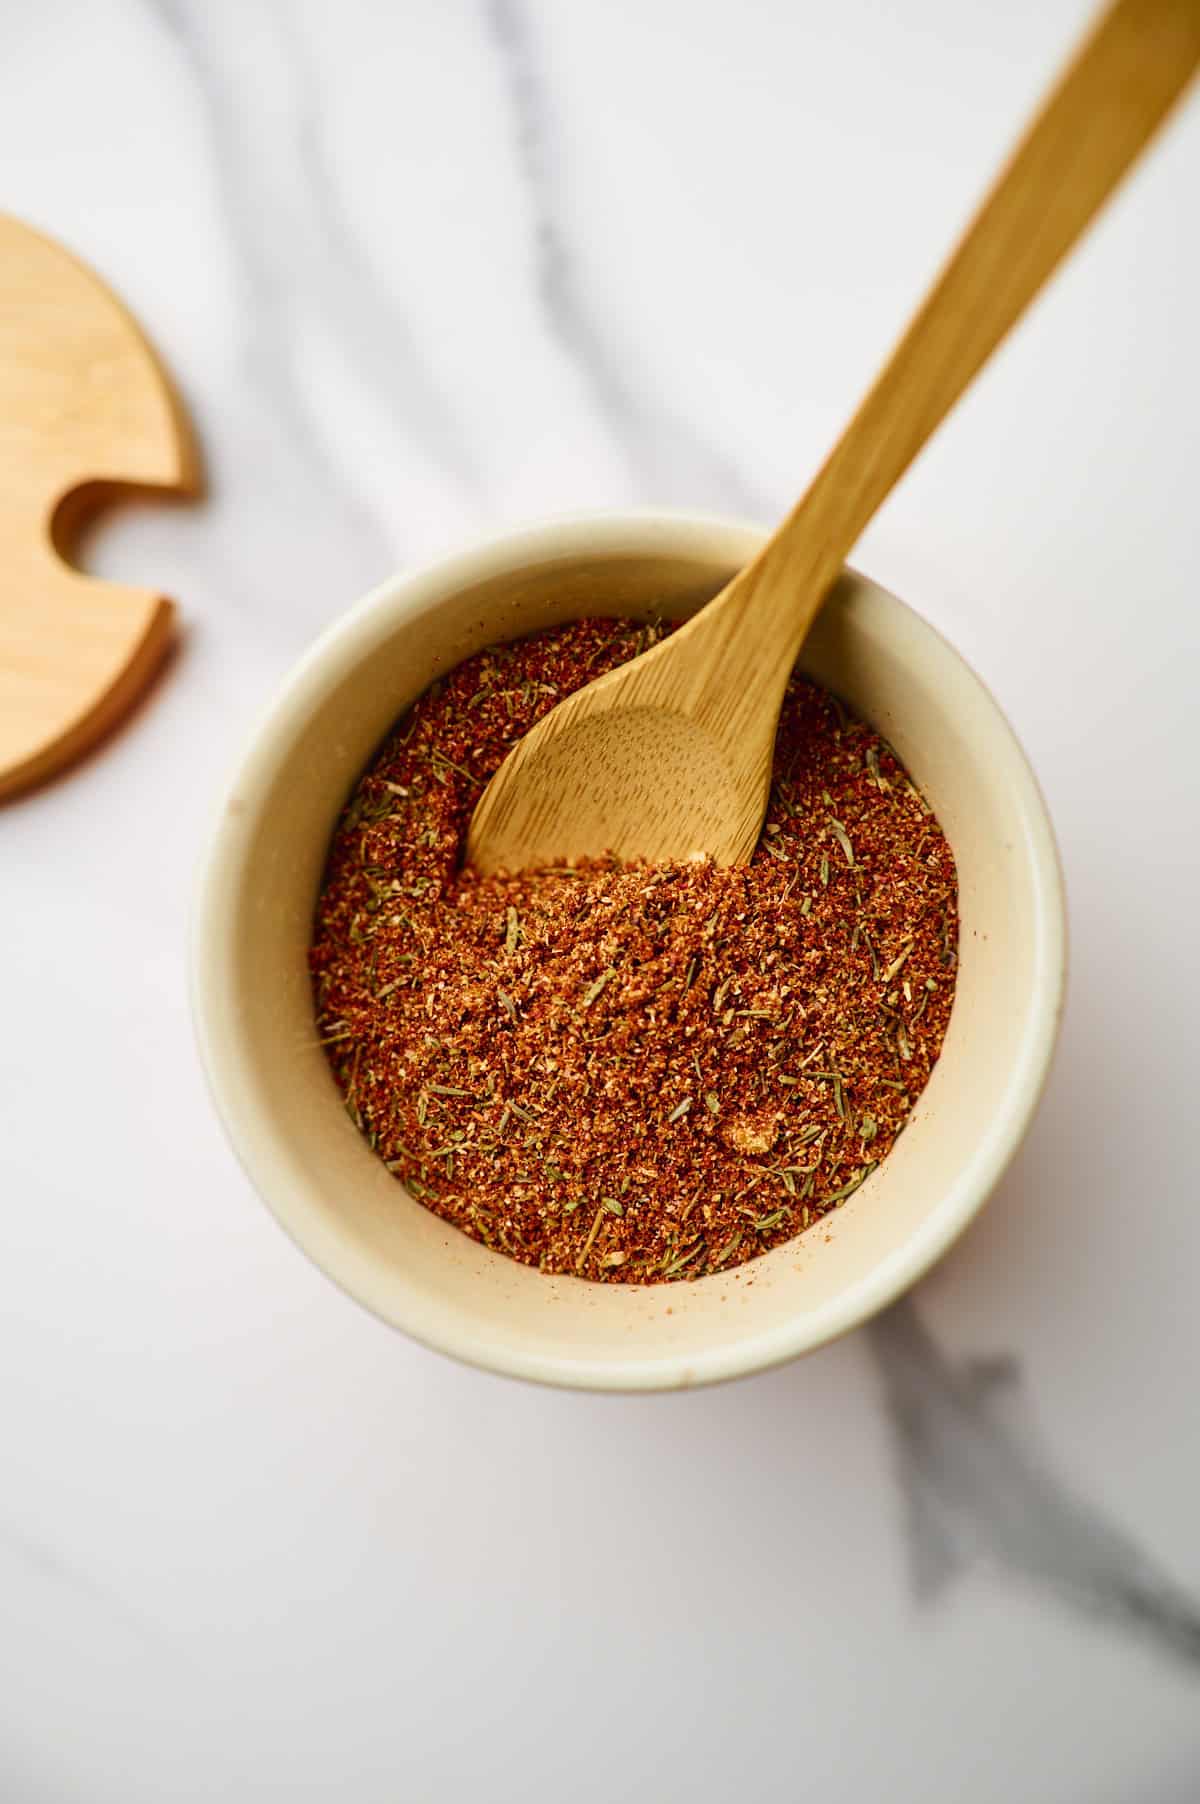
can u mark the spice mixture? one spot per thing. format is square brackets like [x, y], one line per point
[643, 1072]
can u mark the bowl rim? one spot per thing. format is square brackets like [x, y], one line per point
[337, 650]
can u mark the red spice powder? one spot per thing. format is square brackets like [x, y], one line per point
[644, 1072]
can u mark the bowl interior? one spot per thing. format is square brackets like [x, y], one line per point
[278, 1097]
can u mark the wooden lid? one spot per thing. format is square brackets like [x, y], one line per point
[86, 413]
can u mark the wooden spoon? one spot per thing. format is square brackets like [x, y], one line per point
[669, 757]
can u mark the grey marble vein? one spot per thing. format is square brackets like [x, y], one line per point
[53, 1568]
[977, 1486]
[261, 255]
[293, 248]
[371, 327]
[670, 459]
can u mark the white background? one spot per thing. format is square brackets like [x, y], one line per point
[425, 270]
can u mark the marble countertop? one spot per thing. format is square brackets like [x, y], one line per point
[424, 271]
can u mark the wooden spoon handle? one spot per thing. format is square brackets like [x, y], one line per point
[1113, 95]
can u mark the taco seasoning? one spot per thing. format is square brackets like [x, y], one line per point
[632, 1073]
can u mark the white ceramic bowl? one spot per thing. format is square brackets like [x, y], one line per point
[277, 1096]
